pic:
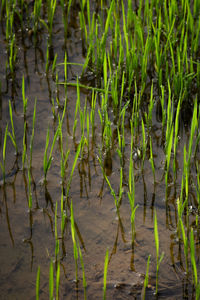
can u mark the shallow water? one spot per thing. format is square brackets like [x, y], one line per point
[27, 239]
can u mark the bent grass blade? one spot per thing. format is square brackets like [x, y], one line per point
[105, 274]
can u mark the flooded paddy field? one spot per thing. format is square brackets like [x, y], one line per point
[99, 144]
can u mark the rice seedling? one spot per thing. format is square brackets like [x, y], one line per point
[12, 55]
[74, 165]
[36, 15]
[65, 14]
[104, 37]
[158, 259]
[186, 245]
[9, 18]
[105, 274]
[63, 214]
[57, 280]
[29, 190]
[146, 280]
[48, 159]
[77, 251]
[194, 125]
[38, 284]
[3, 2]
[75, 247]
[3, 163]
[51, 281]
[194, 266]
[76, 109]
[131, 196]
[24, 153]
[117, 201]
[25, 100]
[144, 144]
[176, 136]
[83, 271]
[54, 64]
[168, 156]
[152, 161]
[51, 11]
[12, 135]
[150, 109]
[64, 155]
[33, 133]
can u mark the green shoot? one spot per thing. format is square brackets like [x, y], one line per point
[48, 160]
[158, 259]
[3, 165]
[146, 280]
[38, 284]
[51, 281]
[73, 231]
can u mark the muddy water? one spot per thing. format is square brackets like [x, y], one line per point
[27, 239]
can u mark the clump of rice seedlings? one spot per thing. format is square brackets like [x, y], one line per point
[12, 55]
[146, 280]
[158, 259]
[101, 53]
[83, 21]
[12, 135]
[36, 14]
[38, 284]
[48, 159]
[10, 9]
[65, 15]
[3, 164]
[51, 11]
[105, 274]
